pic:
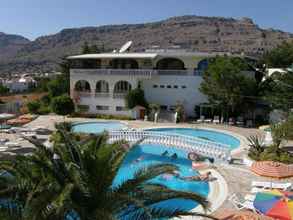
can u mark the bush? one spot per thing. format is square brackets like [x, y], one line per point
[136, 97]
[33, 107]
[44, 110]
[46, 100]
[62, 105]
[115, 117]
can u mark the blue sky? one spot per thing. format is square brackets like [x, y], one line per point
[33, 18]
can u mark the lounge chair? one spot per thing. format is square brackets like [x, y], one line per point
[282, 186]
[266, 185]
[208, 120]
[240, 121]
[256, 190]
[231, 121]
[216, 120]
[249, 197]
[240, 203]
[201, 119]
[12, 144]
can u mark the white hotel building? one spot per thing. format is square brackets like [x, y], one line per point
[99, 82]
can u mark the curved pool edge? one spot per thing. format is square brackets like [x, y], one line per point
[243, 141]
[100, 121]
[217, 195]
[124, 125]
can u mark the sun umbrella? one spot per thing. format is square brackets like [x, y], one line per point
[272, 169]
[276, 204]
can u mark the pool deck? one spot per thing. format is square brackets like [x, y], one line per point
[230, 178]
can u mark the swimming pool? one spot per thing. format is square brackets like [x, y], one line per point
[146, 154]
[97, 127]
[215, 136]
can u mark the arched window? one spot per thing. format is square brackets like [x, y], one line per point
[122, 87]
[124, 64]
[82, 86]
[202, 66]
[102, 87]
[170, 64]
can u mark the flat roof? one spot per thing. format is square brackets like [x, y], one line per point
[115, 55]
[154, 55]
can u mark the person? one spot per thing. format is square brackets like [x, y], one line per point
[202, 177]
[165, 153]
[174, 156]
[139, 159]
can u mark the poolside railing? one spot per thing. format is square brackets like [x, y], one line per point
[189, 144]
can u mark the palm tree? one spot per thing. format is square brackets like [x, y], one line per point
[76, 177]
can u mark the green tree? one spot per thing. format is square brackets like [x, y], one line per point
[135, 97]
[279, 90]
[225, 83]
[85, 48]
[59, 85]
[3, 90]
[279, 57]
[77, 177]
[62, 105]
[33, 107]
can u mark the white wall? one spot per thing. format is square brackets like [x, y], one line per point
[189, 97]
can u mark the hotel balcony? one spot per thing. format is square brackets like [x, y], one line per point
[119, 95]
[142, 73]
[102, 95]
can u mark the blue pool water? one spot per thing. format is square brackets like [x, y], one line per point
[151, 154]
[97, 127]
[204, 134]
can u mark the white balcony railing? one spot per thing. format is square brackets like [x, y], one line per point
[174, 72]
[126, 72]
[119, 95]
[102, 95]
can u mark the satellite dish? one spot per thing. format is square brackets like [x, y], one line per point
[125, 47]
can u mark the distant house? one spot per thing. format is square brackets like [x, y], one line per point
[21, 84]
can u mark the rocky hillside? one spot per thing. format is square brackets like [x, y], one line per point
[11, 44]
[192, 32]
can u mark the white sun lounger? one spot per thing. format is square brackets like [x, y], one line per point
[201, 120]
[12, 144]
[282, 186]
[256, 190]
[250, 197]
[240, 203]
[266, 185]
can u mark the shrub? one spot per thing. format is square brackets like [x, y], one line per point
[33, 107]
[62, 105]
[135, 97]
[44, 110]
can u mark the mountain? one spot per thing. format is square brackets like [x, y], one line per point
[11, 44]
[192, 32]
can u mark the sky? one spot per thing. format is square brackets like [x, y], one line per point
[34, 18]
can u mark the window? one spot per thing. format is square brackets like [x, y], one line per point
[83, 108]
[122, 87]
[183, 87]
[175, 87]
[162, 86]
[102, 87]
[164, 107]
[155, 86]
[102, 107]
[121, 108]
[172, 107]
[169, 86]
